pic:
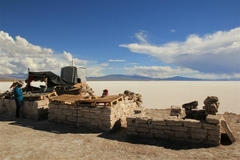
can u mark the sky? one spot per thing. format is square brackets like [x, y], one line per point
[154, 38]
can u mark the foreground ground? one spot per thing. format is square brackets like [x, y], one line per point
[28, 139]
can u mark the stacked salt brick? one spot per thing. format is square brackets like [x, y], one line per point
[2, 107]
[8, 106]
[36, 109]
[30, 109]
[190, 130]
[94, 117]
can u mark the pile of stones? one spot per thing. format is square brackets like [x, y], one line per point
[133, 96]
[211, 105]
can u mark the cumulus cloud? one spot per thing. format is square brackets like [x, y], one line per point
[14, 48]
[17, 55]
[172, 30]
[212, 53]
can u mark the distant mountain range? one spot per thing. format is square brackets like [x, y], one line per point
[121, 77]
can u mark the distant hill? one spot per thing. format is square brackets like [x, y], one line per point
[10, 77]
[121, 77]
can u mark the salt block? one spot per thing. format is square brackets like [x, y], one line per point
[215, 119]
[176, 109]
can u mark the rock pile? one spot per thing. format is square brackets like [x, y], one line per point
[133, 96]
[211, 105]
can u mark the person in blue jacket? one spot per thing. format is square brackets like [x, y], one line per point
[18, 97]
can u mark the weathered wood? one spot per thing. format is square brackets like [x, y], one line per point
[66, 98]
[105, 101]
[39, 96]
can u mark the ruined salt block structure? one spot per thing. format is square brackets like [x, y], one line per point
[176, 128]
[107, 113]
[31, 109]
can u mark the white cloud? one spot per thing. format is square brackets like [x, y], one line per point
[68, 56]
[172, 30]
[95, 71]
[104, 64]
[18, 55]
[213, 53]
[167, 71]
[116, 60]
[160, 71]
[142, 36]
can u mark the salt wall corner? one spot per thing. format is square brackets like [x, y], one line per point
[93, 116]
[173, 128]
[31, 109]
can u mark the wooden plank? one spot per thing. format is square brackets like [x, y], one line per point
[78, 85]
[227, 130]
[39, 96]
[33, 96]
[105, 101]
[67, 98]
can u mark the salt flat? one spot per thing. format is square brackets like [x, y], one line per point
[163, 94]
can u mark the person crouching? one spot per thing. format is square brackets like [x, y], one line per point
[105, 93]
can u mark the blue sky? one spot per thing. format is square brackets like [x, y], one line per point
[155, 38]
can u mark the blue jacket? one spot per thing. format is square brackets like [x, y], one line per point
[18, 95]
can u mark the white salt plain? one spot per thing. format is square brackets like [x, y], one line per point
[164, 94]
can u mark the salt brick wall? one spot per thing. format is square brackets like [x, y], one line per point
[30, 109]
[190, 130]
[98, 117]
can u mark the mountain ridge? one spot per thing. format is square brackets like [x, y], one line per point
[122, 77]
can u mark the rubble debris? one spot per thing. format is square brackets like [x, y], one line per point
[190, 105]
[5, 95]
[192, 111]
[81, 89]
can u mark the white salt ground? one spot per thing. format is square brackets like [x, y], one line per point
[164, 94]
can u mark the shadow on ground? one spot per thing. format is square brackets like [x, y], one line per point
[45, 125]
[119, 135]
